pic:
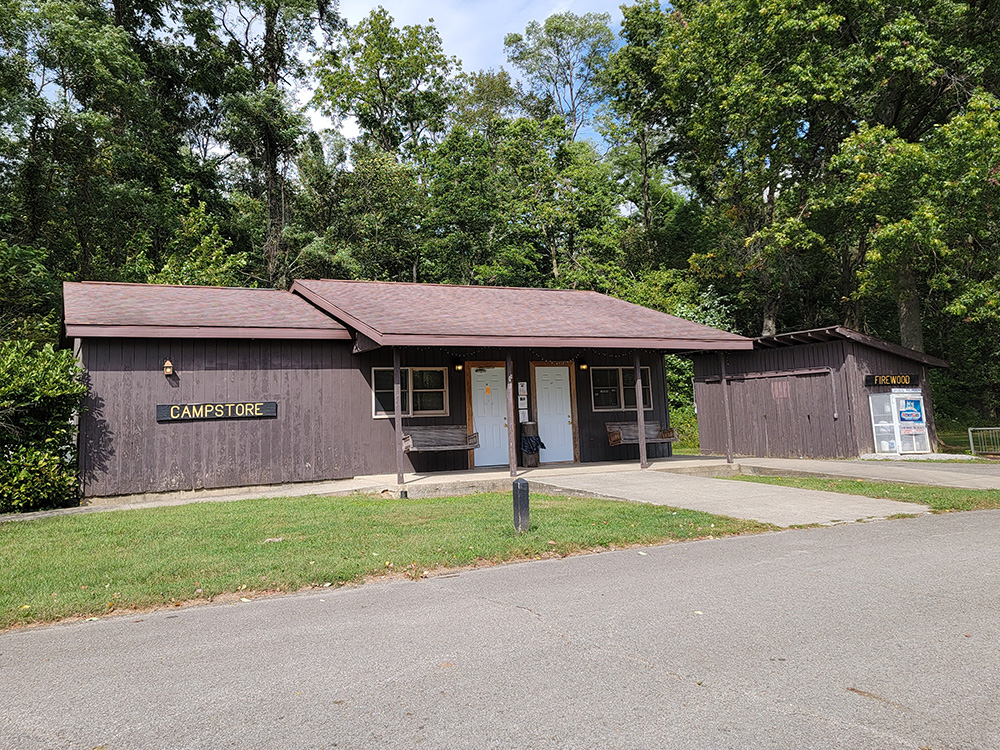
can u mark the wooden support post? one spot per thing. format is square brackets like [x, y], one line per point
[511, 414]
[397, 410]
[640, 415]
[725, 401]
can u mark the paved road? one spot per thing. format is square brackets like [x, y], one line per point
[782, 506]
[879, 635]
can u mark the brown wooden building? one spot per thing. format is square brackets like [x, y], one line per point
[204, 387]
[824, 393]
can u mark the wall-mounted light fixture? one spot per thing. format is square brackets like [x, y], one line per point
[582, 364]
[459, 365]
[168, 367]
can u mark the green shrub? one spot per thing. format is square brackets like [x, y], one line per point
[41, 389]
[684, 421]
[40, 394]
[33, 478]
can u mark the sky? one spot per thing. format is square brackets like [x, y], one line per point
[471, 30]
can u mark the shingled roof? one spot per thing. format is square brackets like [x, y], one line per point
[822, 335]
[439, 314]
[162, 311]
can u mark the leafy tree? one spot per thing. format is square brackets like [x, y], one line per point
[755, 100]
[198, 255]
[29, 289]
[378, 230]
[561, 59]
[929, 208]
[484, 97]
[396, 82]
[267, 39]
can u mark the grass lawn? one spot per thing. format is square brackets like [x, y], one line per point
[86, 565]
[938, 498]
[953, 439]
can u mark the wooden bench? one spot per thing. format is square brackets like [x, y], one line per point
[451, 437]
[627, 433]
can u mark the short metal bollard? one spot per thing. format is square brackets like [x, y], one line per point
[520, 505]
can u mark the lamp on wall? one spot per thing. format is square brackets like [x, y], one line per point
[168, 368]
[581, 363]
[458, 365]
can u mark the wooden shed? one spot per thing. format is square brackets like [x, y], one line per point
[822, 393]
[205, 387]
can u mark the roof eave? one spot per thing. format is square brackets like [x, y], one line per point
[82, 331]
[578, 342]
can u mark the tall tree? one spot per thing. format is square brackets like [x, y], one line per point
[396, 82]
[561, 59]
[267, 40]
[755, 100]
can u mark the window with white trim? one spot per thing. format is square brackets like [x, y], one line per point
[613, 389]
[423, 391]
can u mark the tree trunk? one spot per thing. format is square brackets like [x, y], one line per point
[553, 253]
[850, 260]
[647, 207]
[911, 333]
[272, 61]
[770, 326]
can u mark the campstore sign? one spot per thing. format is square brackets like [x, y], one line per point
[236, 410]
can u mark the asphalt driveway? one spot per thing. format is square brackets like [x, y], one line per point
[782, 506]
[856, 636]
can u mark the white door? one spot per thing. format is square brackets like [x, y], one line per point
[555, 413]
[489, 415]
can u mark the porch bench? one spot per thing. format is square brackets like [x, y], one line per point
[451, 437]
[627, 433]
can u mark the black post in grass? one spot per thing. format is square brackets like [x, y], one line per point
[520, 505]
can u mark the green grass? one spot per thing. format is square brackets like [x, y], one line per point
[938, 498]
[85, 565]
[953, 439]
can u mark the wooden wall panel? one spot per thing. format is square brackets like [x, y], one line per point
[324, 428]
[869, 361]
[767, 422]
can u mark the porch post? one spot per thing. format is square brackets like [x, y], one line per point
[511, 424]
[397, 408]
[725, 401]
[640, 415]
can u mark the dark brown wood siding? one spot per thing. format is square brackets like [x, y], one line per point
[788, 402]
[865, 360]
[324, 427]
[791, 415]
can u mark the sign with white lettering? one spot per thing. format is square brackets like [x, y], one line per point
[236, 410]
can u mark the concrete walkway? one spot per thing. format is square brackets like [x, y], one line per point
[782, 506]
